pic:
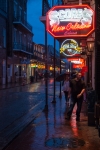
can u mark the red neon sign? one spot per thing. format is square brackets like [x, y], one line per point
[78, 65]
[70, 21]
[70, 26]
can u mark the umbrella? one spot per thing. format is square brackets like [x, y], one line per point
[73, 74]
[61, 76]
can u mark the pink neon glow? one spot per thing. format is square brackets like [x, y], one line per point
[70, 26]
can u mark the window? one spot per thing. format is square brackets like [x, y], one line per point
[24, 42]
[4, 37]
[25, 4]
[15, 9]
[15, 31]
[34, 47]
[6, 5]
[38, 49]
[20, 12]
[28, 45]
[20, 37]
[24, 16]
[3, 5]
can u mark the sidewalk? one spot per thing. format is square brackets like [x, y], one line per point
[51, 131]
[11, 85]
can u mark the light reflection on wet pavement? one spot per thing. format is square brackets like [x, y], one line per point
[50, 130]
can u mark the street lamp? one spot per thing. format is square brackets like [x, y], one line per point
[90, 49]
[90, 46]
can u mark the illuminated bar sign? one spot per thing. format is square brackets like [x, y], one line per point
[70, 21]
[70, 47]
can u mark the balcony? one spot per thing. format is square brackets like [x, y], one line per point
[22, 24]
[22, 48]
[38, 59]
[73, 2]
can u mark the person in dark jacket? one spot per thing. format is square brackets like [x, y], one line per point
[76, 89]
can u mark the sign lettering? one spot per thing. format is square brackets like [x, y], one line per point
[70, 47]
[69, 21]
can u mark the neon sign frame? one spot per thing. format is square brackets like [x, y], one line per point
[73, 30]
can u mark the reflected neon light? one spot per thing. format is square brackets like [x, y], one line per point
[70, 26]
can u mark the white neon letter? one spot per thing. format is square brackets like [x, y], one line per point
[62, 14]
[68, 13]
[53, 16]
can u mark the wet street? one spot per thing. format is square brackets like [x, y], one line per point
[18, 107]
[47, 130]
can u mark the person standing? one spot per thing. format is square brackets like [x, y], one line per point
[76, 90]
[36, 75]
[66, 87]
[15, 77]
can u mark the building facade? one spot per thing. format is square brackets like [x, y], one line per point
[91, 60]
[3, 47]
[37, 61]
[15, 41]
[19, 40]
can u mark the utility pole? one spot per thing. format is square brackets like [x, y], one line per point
[46, 73]
[54, 99]
[60, 95]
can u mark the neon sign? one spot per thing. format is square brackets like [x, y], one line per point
[70, 47]
[76, 62]
[70, 21]
[70, 26]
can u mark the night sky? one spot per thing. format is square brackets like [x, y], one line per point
[34, 12]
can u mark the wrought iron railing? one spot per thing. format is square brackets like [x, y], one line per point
[47, 4]
[19, 19]
[21, 47]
